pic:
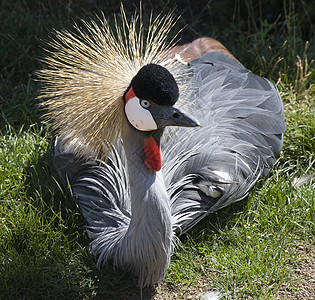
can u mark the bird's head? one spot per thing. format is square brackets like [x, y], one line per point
[150, 100]
[99, 78]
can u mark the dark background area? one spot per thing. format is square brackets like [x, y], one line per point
[249, 29]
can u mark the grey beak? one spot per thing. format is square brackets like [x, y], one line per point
[174, 116]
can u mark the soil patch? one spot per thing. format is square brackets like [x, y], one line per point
[303, 287]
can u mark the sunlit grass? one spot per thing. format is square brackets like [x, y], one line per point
[251, 255]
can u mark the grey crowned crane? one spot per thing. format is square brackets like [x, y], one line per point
[111, 95]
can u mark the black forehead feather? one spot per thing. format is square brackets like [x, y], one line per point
[155, 83]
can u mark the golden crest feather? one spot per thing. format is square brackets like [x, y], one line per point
[88, 72]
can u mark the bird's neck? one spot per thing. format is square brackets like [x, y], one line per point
[150, 229]
[146, 185]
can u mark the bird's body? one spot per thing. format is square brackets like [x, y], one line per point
[133, 208]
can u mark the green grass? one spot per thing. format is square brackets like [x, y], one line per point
[252, 254]
[247, 251]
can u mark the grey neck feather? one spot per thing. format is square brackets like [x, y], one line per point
[147, 243]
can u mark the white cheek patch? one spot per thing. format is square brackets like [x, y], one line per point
[138, 116]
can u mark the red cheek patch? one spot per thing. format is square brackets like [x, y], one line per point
[153, 155]
[129, 95]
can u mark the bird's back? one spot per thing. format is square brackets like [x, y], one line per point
[242, 121]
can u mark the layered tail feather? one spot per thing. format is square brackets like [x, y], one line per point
[211, 187]
[102, 193]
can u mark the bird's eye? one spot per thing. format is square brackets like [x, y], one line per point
[145, 103]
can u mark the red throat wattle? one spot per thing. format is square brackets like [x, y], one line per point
[153, 156]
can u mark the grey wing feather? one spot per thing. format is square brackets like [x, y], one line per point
[242, 121]
[102, 193]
